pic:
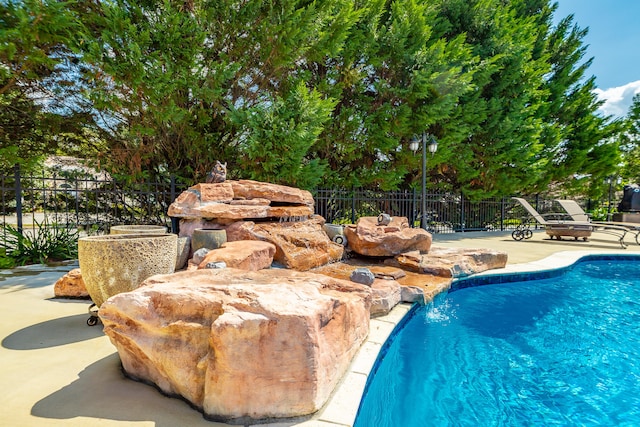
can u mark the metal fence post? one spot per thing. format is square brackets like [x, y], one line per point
[175, 224]
[502, 213]
[18, 188]
[461, 212]
[537, 207]
[353, 206]
[413, 208]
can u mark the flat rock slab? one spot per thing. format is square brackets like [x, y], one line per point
[451, 262]
[413, 287]
[239, 200]
[240, 345]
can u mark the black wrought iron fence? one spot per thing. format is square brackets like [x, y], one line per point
[78, 200]
[96, 204]
[445, 212]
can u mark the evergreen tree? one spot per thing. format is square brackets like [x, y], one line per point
[631, 143]
[310, 93]
[532, 119]
[580, 146]
[177, 76]
[278, 136]
[36, 51]
[501, 121]
[394, 80]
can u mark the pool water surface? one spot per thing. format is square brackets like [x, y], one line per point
[562, 350]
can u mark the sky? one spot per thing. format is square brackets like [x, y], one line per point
[614, 43]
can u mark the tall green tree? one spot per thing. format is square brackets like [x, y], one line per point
[500, 119]
[533, 119]
[279, 135]
[630, 138]
[186, 84]
[37, 51]
[309, 93]
[394, 79]
[580, 146]
[176, 76]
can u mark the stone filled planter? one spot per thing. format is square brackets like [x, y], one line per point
[206, 238]
[118, 263]
[138, 229]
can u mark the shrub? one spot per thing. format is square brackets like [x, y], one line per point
[6, 262]
[45, 244]
[601, 214]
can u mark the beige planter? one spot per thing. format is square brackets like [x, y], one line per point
[184, 243]
[138, 229]
[118, 263]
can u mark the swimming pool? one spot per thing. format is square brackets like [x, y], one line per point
[558, 347]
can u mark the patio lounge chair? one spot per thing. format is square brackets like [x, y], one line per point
[578, 214]
[559, 228]
[574, 210]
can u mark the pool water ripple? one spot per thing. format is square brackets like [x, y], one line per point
[562, 350]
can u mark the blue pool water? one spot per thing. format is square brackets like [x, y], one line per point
[561, 350]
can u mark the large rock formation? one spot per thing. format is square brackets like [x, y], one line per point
[251, 210]
[368, 238]
[240, 345]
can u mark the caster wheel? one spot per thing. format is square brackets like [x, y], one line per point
[92, 321]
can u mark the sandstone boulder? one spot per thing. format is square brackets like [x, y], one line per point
[239, 200]
[385, 295]
[368, 238]
[71, 285]
[413, 294]
[247, 189]
[300, 245]
[451, 262]
[240, 345]
[243, 254]
[387, 272]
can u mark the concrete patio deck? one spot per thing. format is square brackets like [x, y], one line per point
[57, 371]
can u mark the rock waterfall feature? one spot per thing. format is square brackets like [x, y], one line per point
[263, 325]
[252, 210]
